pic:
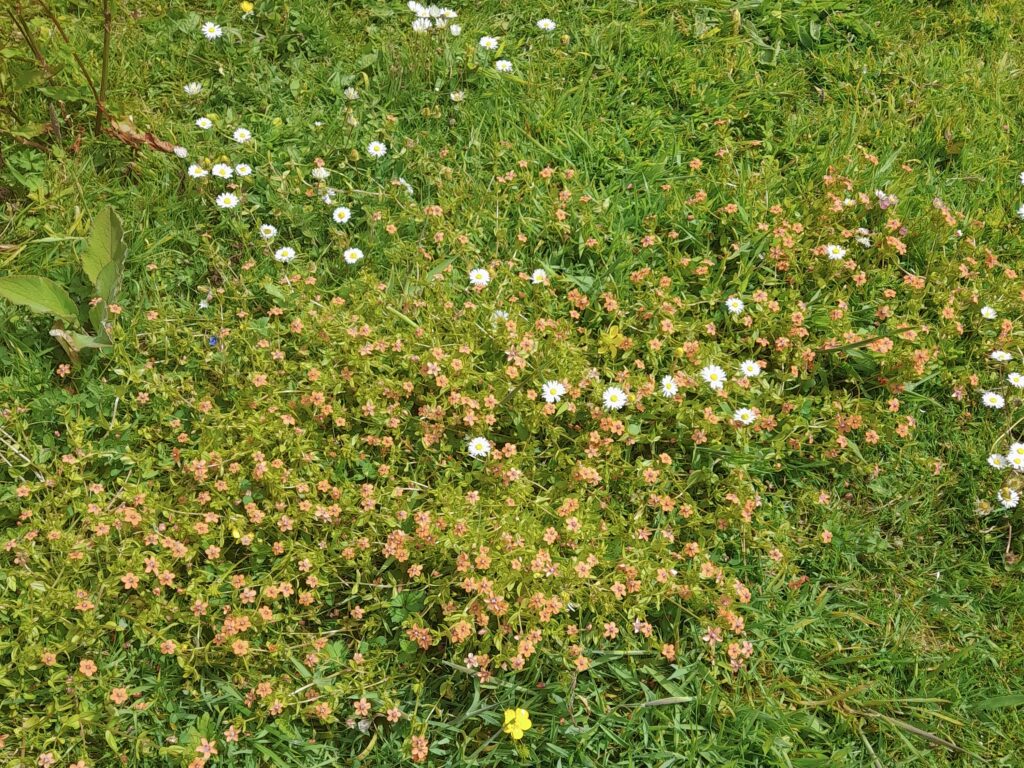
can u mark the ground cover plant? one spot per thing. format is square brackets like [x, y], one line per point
[578, 384]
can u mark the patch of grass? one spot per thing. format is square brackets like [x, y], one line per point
[277, 453]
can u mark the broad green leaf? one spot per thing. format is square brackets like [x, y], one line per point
[40, 294]
[103, 257]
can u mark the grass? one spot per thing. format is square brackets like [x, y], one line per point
[897, 644]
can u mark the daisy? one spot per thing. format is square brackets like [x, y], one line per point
[1020, 211]
[376, 149]
[538, 277]
[193, 89]
[267, 231]
[227, 200]
[993, 400]
[552, 391]
[1008, 497]
[744, 416]
[241, 135]
[457, 96]
[1016, 462]
[222, 171]
[243, 169]
[503, 65]
[734, 305]
[421, 25]
[197, 171]
[455, 29]
[714, 376]
[835, 252]
[669, 388]
[988, 313]
[341, 214]
[489, 43]
[750, 369]
[1016, 379]
[1016, 449]
[205, 123]
[499, 316]
[181, 152]
[211, 31]
[546, 25]
[479, 447]
[351, 93]
[320, 173]
[1001, 356]
[997, 461]
[352, 255]
[614, 399]
[285, 254]
[479, 277]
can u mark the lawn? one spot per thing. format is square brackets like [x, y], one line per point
[558, 384]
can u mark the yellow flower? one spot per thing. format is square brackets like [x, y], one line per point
[517, 722]
[246, 6]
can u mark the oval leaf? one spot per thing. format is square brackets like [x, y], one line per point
[40, 294]
[103, 256]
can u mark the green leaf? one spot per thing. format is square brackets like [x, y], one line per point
[40, 294]
[103, 257]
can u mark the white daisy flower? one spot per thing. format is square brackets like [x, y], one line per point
[1016, 380]
[489, 43]
[479, 277]
[1016, 462]
[352, 255]
[320, 173]
[268, 231]
[222, 171]
[1008, 497]
[538, 277]
[714, 376]
[669, 388]
[285, 254]
[376, 149]
[227, 200]
[499, 316]
[835, 252]
[997, 461]
[1001, 356]
[750, 369]
[503, 65]
[614, 399]
[479, 447]
[205, 123]
[197, 171]
[181, 152]
[1016, 449]
[744, 416]
[193, 89]
[988, 313]
[455, 29]
[241, 135]
[457, 96]
[351, 93]
[993, 400]
[734, 305]
[341, 214]
[243, 169]
[211, 31]
[421, 25]
[416, 8]
[546, 25]
[1020, 211]
[552, 391]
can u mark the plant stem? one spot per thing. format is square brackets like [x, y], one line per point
[100, 109]
[102, 105]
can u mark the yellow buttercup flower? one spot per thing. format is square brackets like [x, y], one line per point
[517, 722]
[246, 6]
